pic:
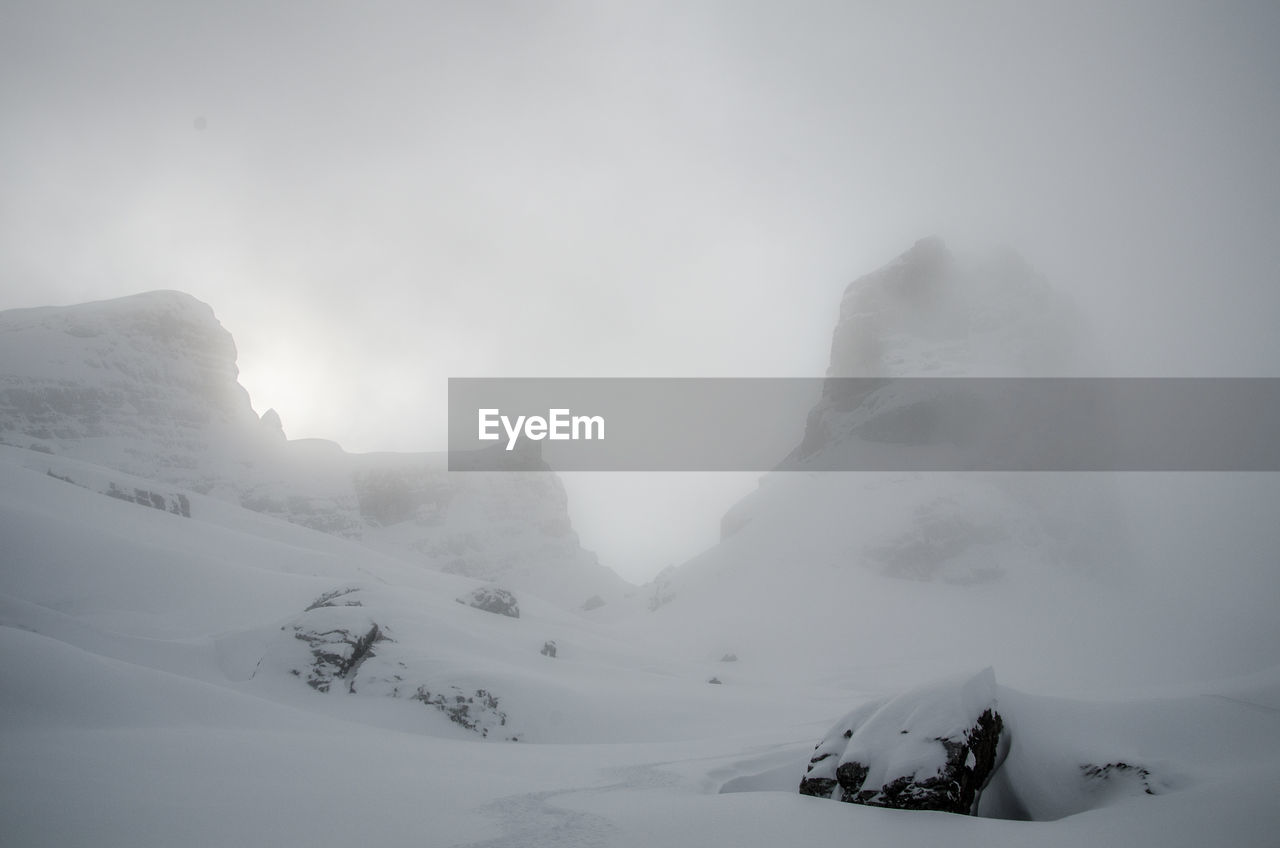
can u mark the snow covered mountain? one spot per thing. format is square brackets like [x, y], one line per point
[212, 635]
[876, 573]
[146, 385]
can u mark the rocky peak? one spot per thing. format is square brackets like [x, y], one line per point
[147, 385]
[912, 277]
[145, 382]
[932, 313]
[898, 295]
[271, 423]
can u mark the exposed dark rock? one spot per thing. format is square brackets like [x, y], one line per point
[593, 602]
[549, 648]
[954, 788]
[492, 599]
[729, 658]
[1110, 771]
[931, 749]
[336, 598]
[715, 680]
[350, 651]
[478, 712]
[176, 504]
[337, 653]
[818, 787]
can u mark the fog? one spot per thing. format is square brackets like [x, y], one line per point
[377, 197]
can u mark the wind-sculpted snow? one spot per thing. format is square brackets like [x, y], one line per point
[146, 385]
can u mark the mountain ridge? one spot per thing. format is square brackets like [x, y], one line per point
[147, 385]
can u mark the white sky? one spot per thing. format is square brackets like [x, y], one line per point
[375, 197]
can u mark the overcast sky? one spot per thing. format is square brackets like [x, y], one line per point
[375, 197]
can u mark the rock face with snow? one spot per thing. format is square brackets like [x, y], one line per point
[840, 556]
[338, 645]
[494, 600]
[341, 644]
[146, 385]
[930, 313]
[934, 748]
[178, 503]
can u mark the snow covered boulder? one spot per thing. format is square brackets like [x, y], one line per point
[934, 748]
[491, 599]
[345, 642]
[339, 638]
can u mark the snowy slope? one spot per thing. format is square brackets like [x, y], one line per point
[149, 700]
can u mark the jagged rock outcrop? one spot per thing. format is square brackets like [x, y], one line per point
[176, 503]
[272, 424]
[492, 599]
[549, 648]
[347, 647]
[934, 314]
[934, 748]
[147, 385]
[930, 313]
[338, 639]
[144, 384]
[1110, 775]
[337, 652]
[477, 712]
[344, 597]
